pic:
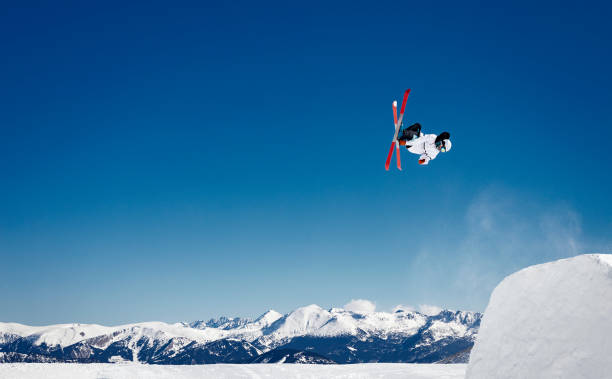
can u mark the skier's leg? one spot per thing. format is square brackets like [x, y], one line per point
[416, 128]
[411, 132]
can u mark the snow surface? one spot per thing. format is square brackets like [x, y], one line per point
[134, 371]
[552, 320]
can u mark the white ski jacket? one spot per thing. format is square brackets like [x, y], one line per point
[425, 145]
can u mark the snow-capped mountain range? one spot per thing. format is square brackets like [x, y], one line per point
[311, 334]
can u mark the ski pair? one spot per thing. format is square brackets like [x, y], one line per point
[398, 125]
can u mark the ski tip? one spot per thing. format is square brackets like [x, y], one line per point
[395, 103]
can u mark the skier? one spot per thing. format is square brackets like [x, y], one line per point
[427, 145]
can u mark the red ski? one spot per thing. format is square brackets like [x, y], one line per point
[392, 142]
[398, 124]
[397, 149]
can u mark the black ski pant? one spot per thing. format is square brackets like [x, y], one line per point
[411, 132]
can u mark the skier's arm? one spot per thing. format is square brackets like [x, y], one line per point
[429, 151]
[430, 148]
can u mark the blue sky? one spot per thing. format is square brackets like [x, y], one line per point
[182, 162]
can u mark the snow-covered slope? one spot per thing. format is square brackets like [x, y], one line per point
[236, 340]
[552, 320]
[269, 371]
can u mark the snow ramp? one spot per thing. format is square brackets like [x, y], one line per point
[552, 320]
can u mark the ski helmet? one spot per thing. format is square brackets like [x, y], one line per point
[447, 145]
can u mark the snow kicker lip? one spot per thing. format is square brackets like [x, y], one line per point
[550, 320]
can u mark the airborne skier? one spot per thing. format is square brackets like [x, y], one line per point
[427, 145]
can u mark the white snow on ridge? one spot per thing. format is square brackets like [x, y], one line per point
[551, 320]
[61, 334]
[270, 329]
[68, 334]
[441, 329]
[302, 320]
[314, 320]
[267, 318]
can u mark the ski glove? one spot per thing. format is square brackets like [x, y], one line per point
[424, 159]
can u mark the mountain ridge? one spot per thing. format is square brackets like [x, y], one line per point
[403, 335]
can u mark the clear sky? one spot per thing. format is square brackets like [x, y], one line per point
[185, 161]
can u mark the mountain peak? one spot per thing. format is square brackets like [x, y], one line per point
[268, 317]
[219, 323]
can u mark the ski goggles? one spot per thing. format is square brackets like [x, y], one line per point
[440, 145]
